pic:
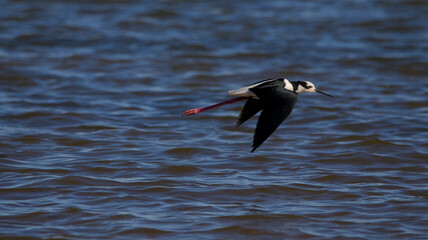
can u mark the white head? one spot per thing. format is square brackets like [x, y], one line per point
[307, 87]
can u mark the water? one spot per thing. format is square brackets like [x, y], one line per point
[93, 145]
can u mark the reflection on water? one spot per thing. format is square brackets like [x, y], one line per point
[93, 144]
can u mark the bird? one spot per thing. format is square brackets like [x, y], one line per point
[274, 97]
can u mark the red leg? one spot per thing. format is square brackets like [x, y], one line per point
[198, 110]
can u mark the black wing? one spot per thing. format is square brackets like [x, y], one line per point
[277, 103]
[251, 107]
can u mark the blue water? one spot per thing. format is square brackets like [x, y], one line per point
[92, 144]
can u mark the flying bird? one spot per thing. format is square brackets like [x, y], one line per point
[274, 97]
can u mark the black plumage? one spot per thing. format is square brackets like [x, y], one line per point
[251, 107]
[276, 104]
[274, 97]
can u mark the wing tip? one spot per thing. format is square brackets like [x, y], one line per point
[255, 147]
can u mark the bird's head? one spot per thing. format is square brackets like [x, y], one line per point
[308, 87]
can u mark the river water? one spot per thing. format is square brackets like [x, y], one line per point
[93, 145]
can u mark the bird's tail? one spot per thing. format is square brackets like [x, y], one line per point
[242, 92]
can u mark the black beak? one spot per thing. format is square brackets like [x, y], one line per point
[323, 93]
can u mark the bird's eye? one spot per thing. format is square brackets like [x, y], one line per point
[310, 86]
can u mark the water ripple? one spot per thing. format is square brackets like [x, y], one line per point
[93, 144]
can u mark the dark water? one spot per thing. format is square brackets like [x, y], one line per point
[93, 145]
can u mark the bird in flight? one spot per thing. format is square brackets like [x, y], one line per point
[274, 97]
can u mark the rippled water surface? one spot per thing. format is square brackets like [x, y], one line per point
[93, 145]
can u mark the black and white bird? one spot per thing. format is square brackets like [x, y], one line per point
[274, 97]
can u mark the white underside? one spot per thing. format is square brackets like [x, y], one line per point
[242, 92]
[245, 91]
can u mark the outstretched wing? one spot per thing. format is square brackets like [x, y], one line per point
[251, 107]
[277, 103]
